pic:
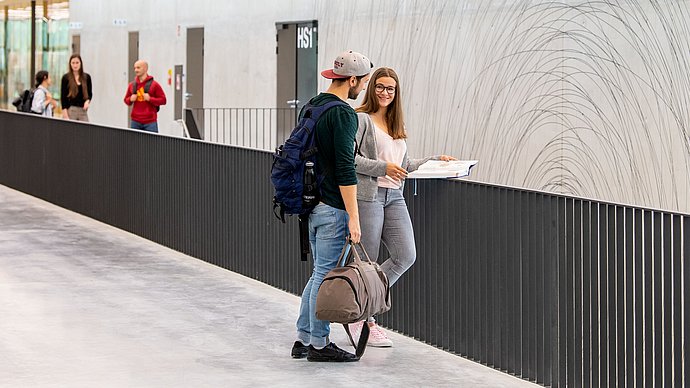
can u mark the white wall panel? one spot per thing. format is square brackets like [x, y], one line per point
[587, 98]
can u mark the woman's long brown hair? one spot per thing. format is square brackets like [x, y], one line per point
[394, 114]
[73, 87]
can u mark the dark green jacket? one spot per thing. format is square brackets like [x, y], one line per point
[335, 140]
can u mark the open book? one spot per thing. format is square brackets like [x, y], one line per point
[440, 169]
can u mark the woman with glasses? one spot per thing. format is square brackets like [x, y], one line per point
[382, 164]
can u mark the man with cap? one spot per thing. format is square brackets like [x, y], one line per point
[336, 215]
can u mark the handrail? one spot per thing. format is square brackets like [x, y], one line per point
[559, 290]
[260, 128]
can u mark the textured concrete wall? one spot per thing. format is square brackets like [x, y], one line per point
[575, 97]
[240, 41]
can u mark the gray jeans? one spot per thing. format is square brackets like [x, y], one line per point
[387, 220]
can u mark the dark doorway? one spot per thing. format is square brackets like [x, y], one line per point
[195, 74]
[178, 87]
[132, 56]
[297, 73]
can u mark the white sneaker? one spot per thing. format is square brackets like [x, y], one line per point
[378, 337]
[355, 331]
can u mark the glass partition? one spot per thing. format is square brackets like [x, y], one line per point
[52, 47]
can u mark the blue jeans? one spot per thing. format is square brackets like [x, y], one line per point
[151, 127]
[387, 219]
[327, 233]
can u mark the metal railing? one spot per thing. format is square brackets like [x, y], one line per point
[558, 290]
[259, 128]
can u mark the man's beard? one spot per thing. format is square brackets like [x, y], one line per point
[351, 93]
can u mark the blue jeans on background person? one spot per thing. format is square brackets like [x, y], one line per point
[387, 219]
[328, 231]
[150, 127]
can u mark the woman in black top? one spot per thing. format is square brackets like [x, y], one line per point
[75, 91]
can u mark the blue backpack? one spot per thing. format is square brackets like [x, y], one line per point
[289, 160]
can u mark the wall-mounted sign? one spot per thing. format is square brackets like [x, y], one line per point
[120, 22]
[305, 37]
[76, 25]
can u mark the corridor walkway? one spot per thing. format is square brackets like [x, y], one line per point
[83, 304]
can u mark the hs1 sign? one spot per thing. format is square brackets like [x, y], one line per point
[305, 37]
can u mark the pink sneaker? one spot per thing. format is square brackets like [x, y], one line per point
[355, 331]
[378, 337]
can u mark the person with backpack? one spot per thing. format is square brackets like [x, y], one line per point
[147, 96]
[76, 91]
[382, 165]
[336, 215]
[43, 102]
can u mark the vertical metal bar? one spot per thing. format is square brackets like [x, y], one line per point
[510, 255]
[268, 130]
[568, 288]
[562, 294]
[648, 302]
[448, 261]
[595, 296]
[677, 289]
[532, 289]
[658, 300]
[603, 295]
[32, 65]
[461, 336]
[502, 225]
[587, 349]
[620, 366]
[638, 299]
[227, 126]
[483, 297]
[578, 360]
[473, 283]
[525, 255]
[612, 318]
[216, 125]
[542, 220]
[686, 300]
[629, 288]
[236, 140]
[667, 300]
[493, 274]
[553, 226]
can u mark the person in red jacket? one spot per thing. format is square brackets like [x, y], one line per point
[147, 96]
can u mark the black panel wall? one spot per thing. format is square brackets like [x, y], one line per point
[558, 290]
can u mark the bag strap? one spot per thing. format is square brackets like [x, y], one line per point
[343, 258]
[356, 254]
[361, 140]
[315, 112]
[342, 261]
[304, 245]
[344, 253]
[147, 86]
[363, 338]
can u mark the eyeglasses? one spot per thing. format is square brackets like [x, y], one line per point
[380, 88]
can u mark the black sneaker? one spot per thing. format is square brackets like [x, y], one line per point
[299, 350]
[330, 353]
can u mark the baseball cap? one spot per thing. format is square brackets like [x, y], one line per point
[348, 64]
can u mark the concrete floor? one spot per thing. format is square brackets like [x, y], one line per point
[83, 304]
